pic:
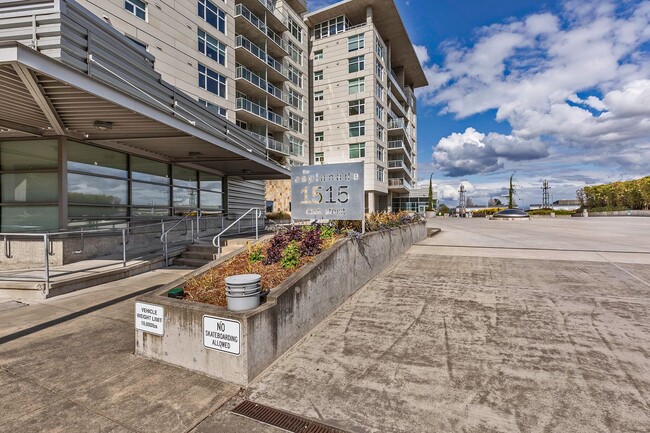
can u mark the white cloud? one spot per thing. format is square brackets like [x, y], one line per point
[473, 152]
[531, 72]
[422, 53]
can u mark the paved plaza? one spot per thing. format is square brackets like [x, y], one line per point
[530, 326]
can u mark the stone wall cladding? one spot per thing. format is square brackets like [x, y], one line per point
[292, 309]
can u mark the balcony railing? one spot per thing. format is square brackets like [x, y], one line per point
[271, 144]
[397, 124]
[261, 83]
[396, 84]
[268, 4]
[397, 163]
[241, 10]
[258, 110]
[396, 144]
[399, 183]
[242, 42]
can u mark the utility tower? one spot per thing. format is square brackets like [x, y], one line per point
[461, 200]
[546, 196]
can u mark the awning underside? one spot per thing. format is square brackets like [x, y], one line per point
[33, 104]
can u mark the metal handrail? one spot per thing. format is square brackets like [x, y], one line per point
[165, 233]
[216, 241]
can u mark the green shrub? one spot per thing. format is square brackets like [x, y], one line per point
[278, 216]
[290, 255]
[327, 232]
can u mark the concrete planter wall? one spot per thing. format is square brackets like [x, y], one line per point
[641, 213]
[292, 309]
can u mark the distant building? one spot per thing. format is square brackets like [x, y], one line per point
[566, 204]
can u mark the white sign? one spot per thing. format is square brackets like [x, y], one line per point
[222, 334]
[149, 318]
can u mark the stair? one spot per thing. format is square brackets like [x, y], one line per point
[200, 254]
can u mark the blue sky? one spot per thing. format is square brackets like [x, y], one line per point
[556, 90]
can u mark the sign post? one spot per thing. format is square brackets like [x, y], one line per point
[331, 192]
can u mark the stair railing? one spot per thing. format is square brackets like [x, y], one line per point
[189, 216]
[255, 213]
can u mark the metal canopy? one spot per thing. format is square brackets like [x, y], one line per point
[40, 96]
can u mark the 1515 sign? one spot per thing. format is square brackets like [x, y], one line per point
[332, 192]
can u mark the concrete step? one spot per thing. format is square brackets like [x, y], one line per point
[193, 263]
[203, 255]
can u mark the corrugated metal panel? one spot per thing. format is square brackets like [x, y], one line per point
[244, 194]
[17, 103]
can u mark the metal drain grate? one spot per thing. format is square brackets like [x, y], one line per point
[281, 419]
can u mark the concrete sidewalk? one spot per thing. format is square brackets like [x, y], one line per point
[80, 375]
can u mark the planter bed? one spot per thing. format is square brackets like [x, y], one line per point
[237, 346]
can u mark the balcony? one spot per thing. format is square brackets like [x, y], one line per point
[258, 85]
[252, 53]
[299, 6]
[249, 111]
[399, 184]
[399, 90]
[397, 104]
[398, 164]
[399, 125]
[277, 47]
[274, 17]
[271, 144]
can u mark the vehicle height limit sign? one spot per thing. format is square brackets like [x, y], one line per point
[332, 192]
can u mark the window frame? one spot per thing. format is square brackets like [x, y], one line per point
[219, 49]
[356, 83]
[137, 8]
[356, 64]
[358, 148]
[319, 116]
[359, 105]
[220, 14]
[356, 42]
[319, 95]
[207, 76]
[357, 129]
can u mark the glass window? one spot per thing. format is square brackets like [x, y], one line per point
[380, 174]
[295, 52]
[148, 194]
[380, 153]
[84, 188]
[318, 76]
[184, 177]
[357, 128]
[379, 92]
[140, 45]
[355, 42]
[379, 48]
[356, 86]
[295, 122]
[295, 30]
[21, 218]
[318, 55]
[357, 107]
[318, 116]
[28, 155]
[148, 170]
[357, 150]
[379, 69]
[295, 146]
[29, 187]
[319, 157]
[214, 108]
[211, 200]
[380, 132]
[295, 99]
[211, 182]
[318, 96]
[295, 76]
[319, 136]
[211, 47]
[185, 197]
[356, 64]
[83, 212]
[331, 27]
[213, 15]
[379, 112]
[95, 160]
[137, 8]
[212, 81]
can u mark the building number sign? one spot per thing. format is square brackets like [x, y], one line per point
[332, 192]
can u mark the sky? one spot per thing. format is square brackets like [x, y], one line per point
[556, 90]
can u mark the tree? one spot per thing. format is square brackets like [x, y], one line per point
[444, 209]
[469, 202]
[430, 204]
[580, 195]
[497, 202]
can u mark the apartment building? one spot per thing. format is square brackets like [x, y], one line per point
[244, 59]
[364, 72]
